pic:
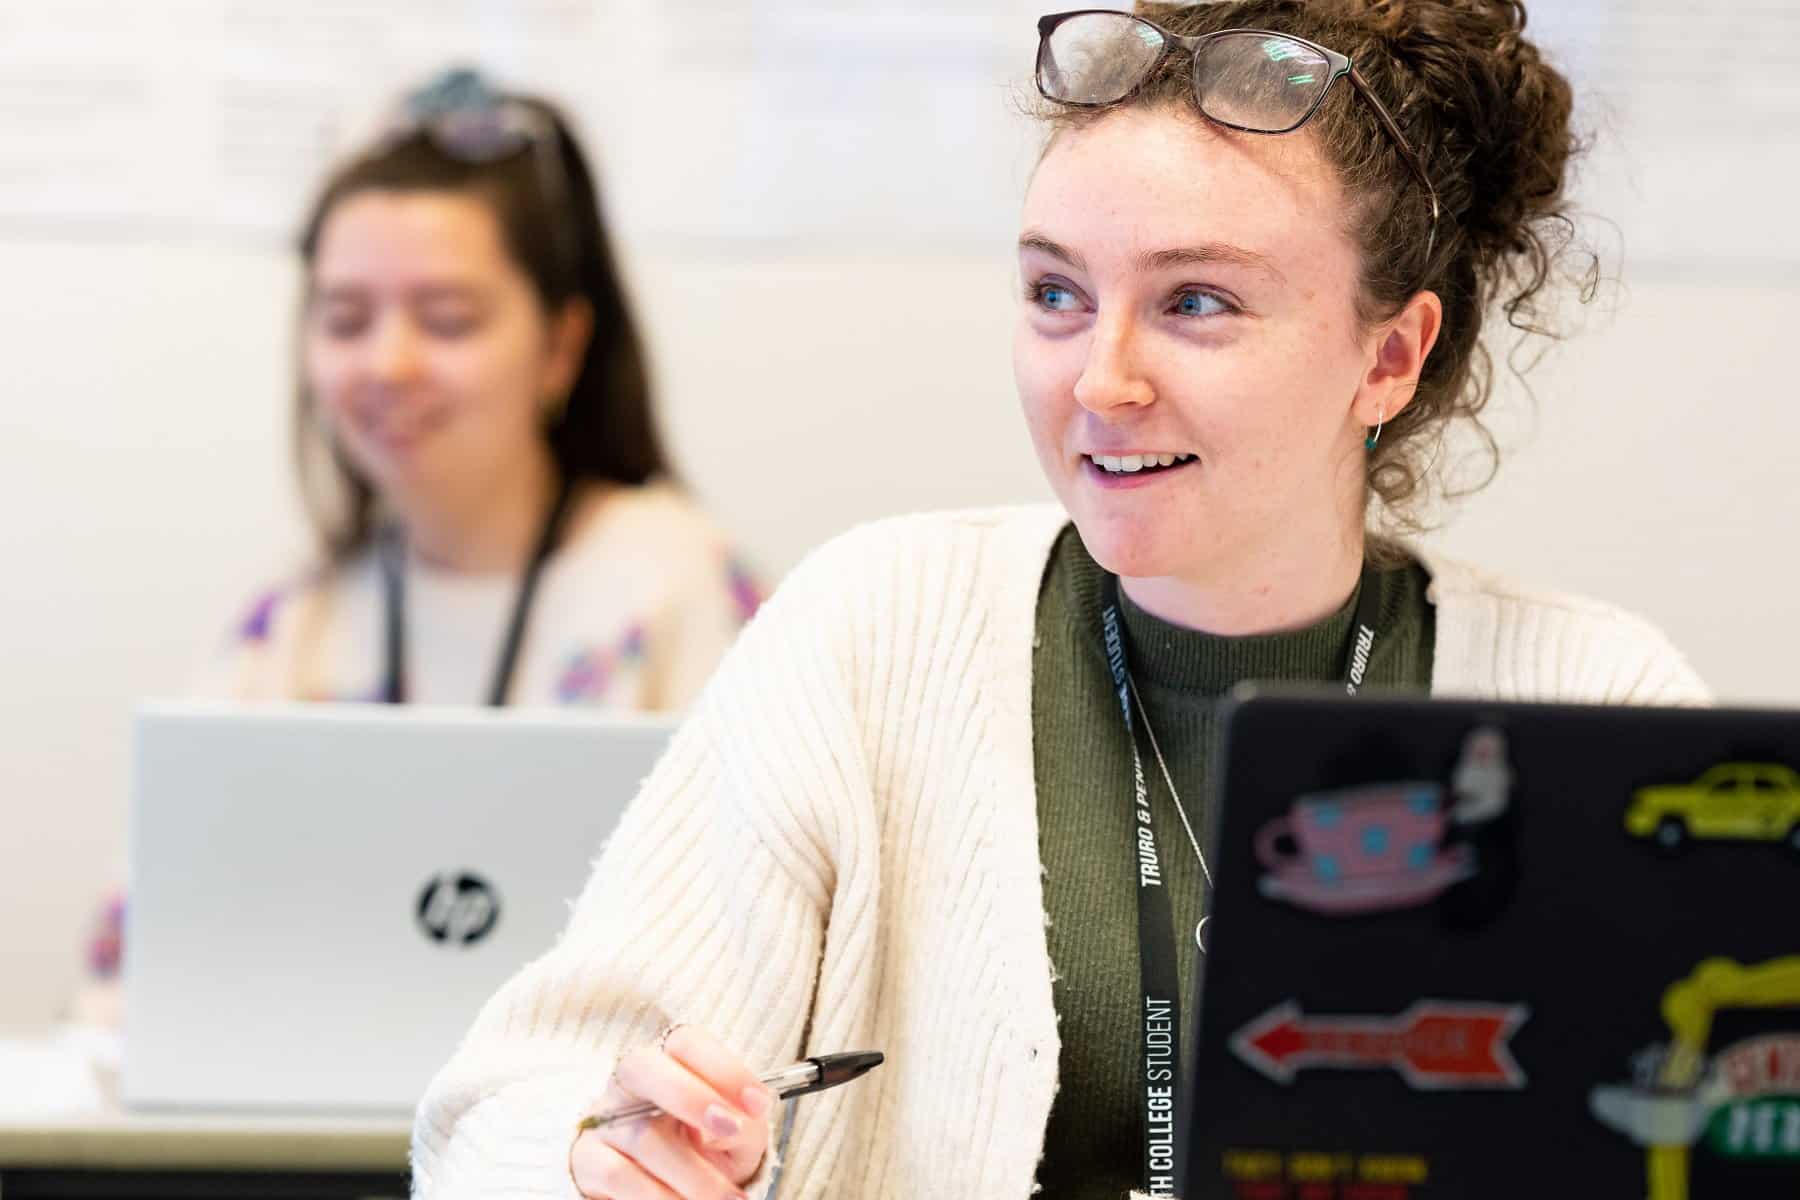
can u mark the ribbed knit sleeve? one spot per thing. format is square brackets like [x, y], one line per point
[1499, 641]
[708, 906]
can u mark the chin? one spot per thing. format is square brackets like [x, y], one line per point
[381, 471]
[1131, 548]
[1135, 562]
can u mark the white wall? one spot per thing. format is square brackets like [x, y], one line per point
[144, 489]
[1658, 471]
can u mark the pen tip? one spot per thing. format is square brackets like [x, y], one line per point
[840, 1068]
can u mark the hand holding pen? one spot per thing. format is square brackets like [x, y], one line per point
[689, 1119]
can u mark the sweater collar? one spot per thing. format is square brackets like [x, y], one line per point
[1169, 657]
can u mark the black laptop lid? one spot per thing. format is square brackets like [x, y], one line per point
[1484, 951]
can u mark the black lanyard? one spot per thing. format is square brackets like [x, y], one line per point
[1160, 1016]
[393, 580]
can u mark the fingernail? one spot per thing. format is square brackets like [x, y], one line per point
[720, 1122]
[757, 1101]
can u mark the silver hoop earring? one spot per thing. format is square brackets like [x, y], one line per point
[1374, 437]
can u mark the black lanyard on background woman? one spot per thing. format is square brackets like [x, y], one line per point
[393, 589]
[1160, 1016]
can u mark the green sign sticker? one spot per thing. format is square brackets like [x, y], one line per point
[1764, 1129]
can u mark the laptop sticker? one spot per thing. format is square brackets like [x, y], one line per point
[1739, 1104]
[1386, 846]
[1284, 1175]
[1436, 1045]
[1735, 802]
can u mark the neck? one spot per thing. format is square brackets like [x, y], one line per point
[484, 530]
[1274, 593]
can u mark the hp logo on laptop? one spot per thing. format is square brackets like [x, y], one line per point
[458, 908]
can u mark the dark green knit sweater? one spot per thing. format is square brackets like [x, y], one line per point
[1093, 1147]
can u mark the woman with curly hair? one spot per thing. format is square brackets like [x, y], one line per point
[1256, 258]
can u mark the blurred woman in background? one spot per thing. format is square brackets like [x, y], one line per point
[476, 441]
[477, 450]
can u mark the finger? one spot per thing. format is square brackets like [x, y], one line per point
[727, 1073]
[602, 1173]
[664, 1149]
[654, 1076]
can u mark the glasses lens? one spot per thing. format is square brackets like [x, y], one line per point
[480, 135]
[1259, 81]
[1097, 58]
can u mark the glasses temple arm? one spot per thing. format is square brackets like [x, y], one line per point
[1405, 147]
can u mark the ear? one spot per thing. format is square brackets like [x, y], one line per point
[1400, 349]
[570, 330]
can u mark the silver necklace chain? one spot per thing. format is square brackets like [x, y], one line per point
[1168, 779]
[1180, 810]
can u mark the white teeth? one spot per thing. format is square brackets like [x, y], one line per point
[1129, 463]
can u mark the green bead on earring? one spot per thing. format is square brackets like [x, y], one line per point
[1369, 442]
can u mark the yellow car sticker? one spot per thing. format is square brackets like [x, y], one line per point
[1740, 802]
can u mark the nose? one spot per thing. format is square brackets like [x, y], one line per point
[393, 350]
[1112, 378]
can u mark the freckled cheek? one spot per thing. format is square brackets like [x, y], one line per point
[1272, 398]
[1266, 433]
[1045, 378]
[1025, 362]
[1199, 398]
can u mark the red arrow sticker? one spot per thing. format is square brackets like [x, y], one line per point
[1434, 1044]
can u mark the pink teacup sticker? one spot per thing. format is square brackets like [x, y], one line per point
[1363, 849]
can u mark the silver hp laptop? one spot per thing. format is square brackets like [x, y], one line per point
[323, 897]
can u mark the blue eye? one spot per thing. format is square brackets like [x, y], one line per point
[1055, 297]
[1199, 304]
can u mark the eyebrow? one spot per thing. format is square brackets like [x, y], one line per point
[421, 293]
[338, 293]
[426, 293]
[1043, 245]
[1208, 254]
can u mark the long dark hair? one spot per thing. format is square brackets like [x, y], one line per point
[608, 430]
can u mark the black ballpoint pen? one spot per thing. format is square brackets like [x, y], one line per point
[809, 1075]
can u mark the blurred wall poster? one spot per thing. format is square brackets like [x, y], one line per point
[823, 122]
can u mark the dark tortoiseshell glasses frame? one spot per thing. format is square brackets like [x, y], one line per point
[1340, 67]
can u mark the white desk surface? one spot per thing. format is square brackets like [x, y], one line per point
[215, 1142]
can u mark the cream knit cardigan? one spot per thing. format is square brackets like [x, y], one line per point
[840, 852]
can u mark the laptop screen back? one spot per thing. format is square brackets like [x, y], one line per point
[1485, 951]
[322, 898]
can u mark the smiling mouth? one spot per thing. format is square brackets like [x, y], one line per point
[394, 438]
[397, 432]
[1138, 464]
